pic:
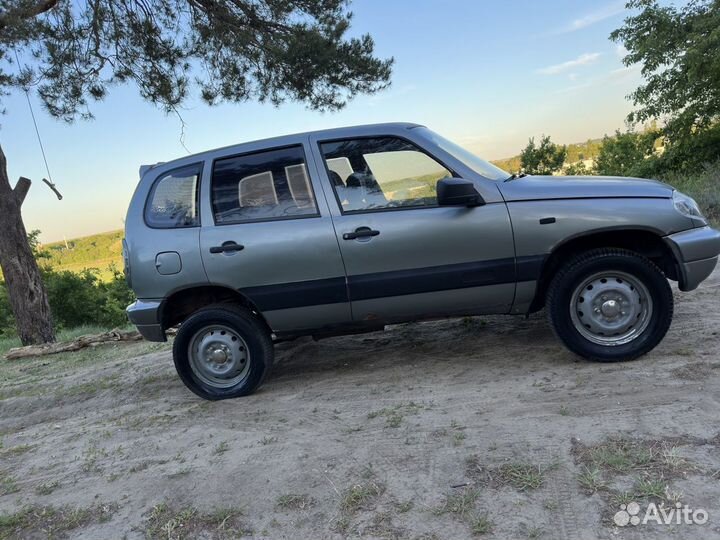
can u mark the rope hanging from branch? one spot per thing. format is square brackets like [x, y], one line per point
[48, 180]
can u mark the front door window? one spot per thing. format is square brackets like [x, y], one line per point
[381, 173]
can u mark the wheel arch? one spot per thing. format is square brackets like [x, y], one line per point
[646, 242]
[184, 302]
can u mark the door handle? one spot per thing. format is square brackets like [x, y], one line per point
[227, 247]
[360, 232]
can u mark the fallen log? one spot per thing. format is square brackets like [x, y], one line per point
[74, 345]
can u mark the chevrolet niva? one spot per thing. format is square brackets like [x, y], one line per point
[348, 230]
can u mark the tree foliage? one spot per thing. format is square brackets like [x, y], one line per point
[545, 158]
[678, 50]
[230, 50]
[626, 154]
[77, 299]
[578, 169]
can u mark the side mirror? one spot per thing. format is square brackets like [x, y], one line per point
[458, 192]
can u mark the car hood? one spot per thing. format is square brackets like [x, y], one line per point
[530, 188]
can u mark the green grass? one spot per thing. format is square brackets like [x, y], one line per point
[481, 524]
[358, 495]
[221, 448]
[461, 503]
[294, 501]
[522, 476]
[96, 251]
[620, 455]
[650, 487]
[7, 484]
[591, 480]
[52, 522]
[166, 522]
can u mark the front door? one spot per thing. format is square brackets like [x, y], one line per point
[269, 237]
[404, 255]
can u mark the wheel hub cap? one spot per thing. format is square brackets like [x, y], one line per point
[611, 308]
[219, 356]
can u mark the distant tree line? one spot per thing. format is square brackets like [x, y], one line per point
[647, 153]
[691, 164]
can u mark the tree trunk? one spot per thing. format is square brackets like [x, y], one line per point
[28, 297]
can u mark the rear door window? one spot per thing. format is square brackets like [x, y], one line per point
[261, 186]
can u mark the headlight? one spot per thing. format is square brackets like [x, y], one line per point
[686, 205]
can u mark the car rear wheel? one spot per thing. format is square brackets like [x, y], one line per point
[222, 352]
[610, 305]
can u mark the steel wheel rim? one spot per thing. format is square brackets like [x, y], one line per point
[219, 356]
[611, 308]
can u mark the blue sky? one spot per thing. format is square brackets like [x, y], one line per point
[487, 74]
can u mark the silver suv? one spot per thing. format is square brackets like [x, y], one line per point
[348, 230]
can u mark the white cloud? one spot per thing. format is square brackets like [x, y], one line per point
[616, 76]
[582, 60]
[594, 17]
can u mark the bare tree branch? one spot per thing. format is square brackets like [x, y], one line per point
[21, 189]
[27, 12]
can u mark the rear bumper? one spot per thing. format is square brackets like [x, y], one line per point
[696, 252]
[145, 315]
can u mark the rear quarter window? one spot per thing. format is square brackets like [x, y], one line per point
[173, 199]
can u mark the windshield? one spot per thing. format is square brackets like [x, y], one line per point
[479, 165]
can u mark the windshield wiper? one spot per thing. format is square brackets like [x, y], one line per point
[515, 176]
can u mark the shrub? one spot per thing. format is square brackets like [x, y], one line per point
[77, 299]
[544, 158]
[626, 154]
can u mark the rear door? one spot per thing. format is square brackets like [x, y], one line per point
[405, 256]
[267, 234]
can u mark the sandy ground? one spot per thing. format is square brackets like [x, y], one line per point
[482, 426]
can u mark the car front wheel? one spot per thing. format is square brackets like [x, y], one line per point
[222, 352]
[610, 305]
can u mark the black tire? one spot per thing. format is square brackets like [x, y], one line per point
[257, 344]
[581, 268]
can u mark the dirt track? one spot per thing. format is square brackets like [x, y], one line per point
[367, 435]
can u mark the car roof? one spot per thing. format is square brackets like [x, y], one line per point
[347, 131]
